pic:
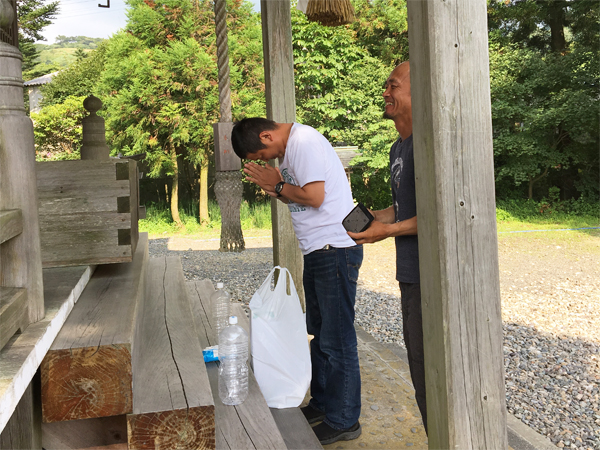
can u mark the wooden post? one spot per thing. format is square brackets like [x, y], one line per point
[457, 224]
[281, 107]
[20, 257]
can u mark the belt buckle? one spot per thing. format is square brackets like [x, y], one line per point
[327, 247]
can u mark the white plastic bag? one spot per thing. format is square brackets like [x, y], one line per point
[279, 342]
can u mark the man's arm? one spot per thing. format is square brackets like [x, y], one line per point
[311, 194]
[382, 230]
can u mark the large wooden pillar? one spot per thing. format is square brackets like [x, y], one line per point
[458, 249]
[281, 107]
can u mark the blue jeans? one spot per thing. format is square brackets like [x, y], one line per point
[330, 287]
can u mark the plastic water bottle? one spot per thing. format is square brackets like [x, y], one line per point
[233, 371]
[220, 307]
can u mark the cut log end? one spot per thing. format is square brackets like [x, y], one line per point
[86, 383]
[192, 428]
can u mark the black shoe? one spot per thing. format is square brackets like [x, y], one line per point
[328, 435]
[312, 415]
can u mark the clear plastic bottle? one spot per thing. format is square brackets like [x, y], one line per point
[220, 309]
[233, 370]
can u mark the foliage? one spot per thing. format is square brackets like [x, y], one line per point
[545, 70]
[160, 83]
[82, 42]
[33, 16]
[79, 79]
[57, 130]
[338, 92]
[521, 213]
[253, 216]
[381, 26]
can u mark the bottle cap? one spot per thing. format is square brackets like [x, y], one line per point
[219, 285]
[232, 320]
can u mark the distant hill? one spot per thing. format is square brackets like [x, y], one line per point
[65, 50]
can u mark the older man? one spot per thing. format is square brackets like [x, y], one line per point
[400, 221]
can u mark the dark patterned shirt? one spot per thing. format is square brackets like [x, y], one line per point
[402, 168]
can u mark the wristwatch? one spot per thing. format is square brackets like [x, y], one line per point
[279, 187]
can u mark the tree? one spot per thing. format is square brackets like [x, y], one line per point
[339, 92]
[79, 79]
[33, 16]
[160, 83]
[544, 67]
[57, 130]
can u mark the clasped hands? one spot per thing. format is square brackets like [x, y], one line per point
[264, 176]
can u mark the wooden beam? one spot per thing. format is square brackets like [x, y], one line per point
[11, 224]
[13, 312]
[173, 406]
[87, 371]
[22, 355]
[281, 107]
[88, 211]
[457, 224]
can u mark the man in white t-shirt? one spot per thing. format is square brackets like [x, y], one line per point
[312, 182]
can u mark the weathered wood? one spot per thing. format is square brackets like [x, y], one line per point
[20, 256]
[102, 432]
[87, 371]
[23, 353]
[251, 424]
[281, 107]
[88, 211]
[296, 432]
[457, 227]
[11, 224]
[13, 312]
[172, 403]
[23, 430]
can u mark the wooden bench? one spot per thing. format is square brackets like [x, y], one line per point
[252, 424]
[87, 371]
[172, 402]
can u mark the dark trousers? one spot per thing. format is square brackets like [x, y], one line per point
[330, 288]
[412, 326]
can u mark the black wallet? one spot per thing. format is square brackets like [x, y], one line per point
[358, 219]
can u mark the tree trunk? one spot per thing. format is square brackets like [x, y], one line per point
[533, 180]
[556, 21]
[203, 200]
[175, 191]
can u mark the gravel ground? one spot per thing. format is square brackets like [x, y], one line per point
[550, 289]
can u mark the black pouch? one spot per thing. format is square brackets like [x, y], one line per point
[358, 220]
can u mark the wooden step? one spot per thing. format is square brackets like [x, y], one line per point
[87, 371]
[13, 312]
[251, 425]
[11, 224]
[172, 403]
[22, 355]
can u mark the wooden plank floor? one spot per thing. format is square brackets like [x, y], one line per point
[252, 424]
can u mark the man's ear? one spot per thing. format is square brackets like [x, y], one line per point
[266, 135]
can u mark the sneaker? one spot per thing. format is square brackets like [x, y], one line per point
[328, 435]
[313, 415]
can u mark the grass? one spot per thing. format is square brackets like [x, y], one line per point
[256, 218]
[529, 215]
[158, 221]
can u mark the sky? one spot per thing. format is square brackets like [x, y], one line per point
[85, 18]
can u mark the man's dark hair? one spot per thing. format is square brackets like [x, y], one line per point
[245, 135]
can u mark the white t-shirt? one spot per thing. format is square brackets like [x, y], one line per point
[310, 157]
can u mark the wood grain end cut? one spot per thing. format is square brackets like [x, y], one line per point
[85, 383]
[192, 428]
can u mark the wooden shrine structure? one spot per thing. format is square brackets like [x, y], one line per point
[104, 333]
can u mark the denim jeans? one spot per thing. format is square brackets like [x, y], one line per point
[330, 287]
